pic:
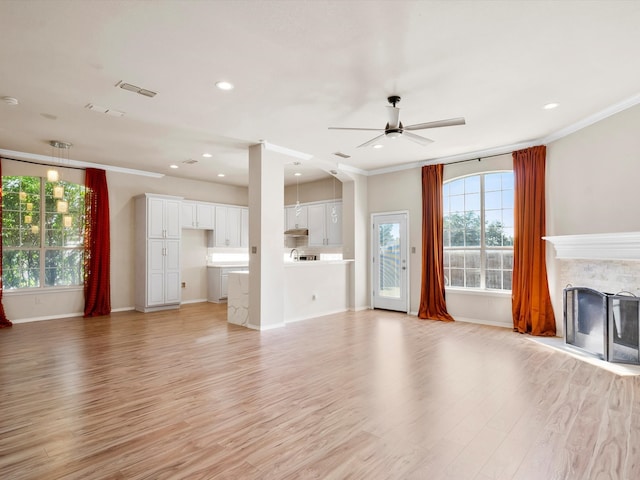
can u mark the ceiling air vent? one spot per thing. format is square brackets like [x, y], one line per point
[190, 161]
[133, 88]
[105, 110]
[343, 155]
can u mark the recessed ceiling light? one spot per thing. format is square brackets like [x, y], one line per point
[173, 166]
[207, 155]
[550, 106]
[378, 145]
[224, 85]
[297, 174]
[221, 174]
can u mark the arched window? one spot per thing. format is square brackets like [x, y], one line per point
[478, 231]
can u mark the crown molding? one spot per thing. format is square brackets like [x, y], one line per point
[48, 160]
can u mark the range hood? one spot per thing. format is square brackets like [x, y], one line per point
[297, 232]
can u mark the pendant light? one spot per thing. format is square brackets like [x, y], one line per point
[52, 173]
[334, 212]
[62, 206]
[298, 208]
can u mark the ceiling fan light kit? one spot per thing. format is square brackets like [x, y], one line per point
[395, 129]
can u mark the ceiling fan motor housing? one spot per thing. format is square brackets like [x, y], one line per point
[393, 99]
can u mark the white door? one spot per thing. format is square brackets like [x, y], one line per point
[390, 269]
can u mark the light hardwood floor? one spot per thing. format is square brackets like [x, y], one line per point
[367, 395]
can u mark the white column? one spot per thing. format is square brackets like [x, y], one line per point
[266, 240]
[355, 225]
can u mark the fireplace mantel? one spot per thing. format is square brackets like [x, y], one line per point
[597, 246]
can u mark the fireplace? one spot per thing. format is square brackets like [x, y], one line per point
[603, 324]
[624, 329]
[585, 320]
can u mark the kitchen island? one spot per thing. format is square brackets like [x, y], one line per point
[311, 289]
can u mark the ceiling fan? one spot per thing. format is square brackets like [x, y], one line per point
[395, 129]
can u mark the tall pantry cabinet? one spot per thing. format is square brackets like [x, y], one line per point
[157, 266]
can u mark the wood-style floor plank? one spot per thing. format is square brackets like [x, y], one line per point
[367, 395]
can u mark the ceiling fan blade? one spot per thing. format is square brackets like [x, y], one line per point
[349, 128]
[394, 116]
[372, 141]
[438, 123]
[416, 138]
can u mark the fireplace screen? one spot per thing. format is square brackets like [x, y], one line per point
[624, 329]
[585, 319]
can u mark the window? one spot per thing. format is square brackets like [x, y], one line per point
[42, 243]
[478, 231]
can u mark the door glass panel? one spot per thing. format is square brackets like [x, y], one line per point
[390, 261]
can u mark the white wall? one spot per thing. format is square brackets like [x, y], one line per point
[320, 190]
[593, 187]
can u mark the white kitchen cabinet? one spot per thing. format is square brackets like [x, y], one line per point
[198, 215]
[157, 245]
[323, 231]
[218, 281]
[333, 229]
[296, 221]
[161, 215]
[228, 225]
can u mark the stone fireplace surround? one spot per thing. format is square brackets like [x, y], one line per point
[603, 262]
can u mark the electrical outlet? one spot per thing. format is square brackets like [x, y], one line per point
[184, 284]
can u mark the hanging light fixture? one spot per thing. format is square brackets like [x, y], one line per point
[52, 173]
[62, 206]
[298, 208]
[334, 212]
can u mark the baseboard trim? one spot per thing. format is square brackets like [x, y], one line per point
[482, 322]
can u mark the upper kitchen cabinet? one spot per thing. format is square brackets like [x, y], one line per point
[296, 221]
[198, 215]
[163, 216]
[228, 226]
[325, 224]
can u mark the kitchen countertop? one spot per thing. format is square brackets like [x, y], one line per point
[227, 264]
[316, 262]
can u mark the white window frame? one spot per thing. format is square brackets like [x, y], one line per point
[482, 248]
[43, 249]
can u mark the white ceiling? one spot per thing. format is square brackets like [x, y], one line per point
[300, 67]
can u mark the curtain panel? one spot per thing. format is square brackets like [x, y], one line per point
[531, 303]
[4, 321]
[432, 294]
[97, 255]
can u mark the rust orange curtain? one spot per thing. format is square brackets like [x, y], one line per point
[531, 303]
[4, 321]
[432, 295]
[97, 276]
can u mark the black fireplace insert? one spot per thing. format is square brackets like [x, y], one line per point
[603, 324]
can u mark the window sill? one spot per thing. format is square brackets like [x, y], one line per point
[479, 292]
[41, 291]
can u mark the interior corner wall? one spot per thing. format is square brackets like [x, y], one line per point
[402, 191]
[592, 186]
[122, 188]
[320, 190]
